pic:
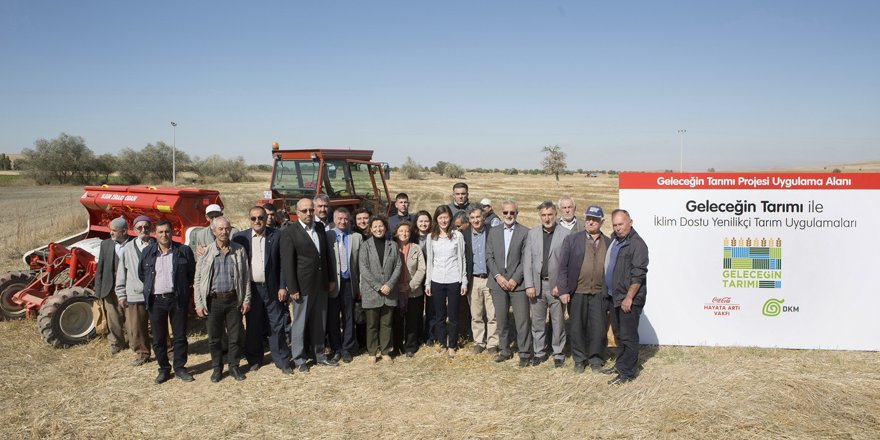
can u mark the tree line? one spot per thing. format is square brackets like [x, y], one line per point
[554, 164]
[67, 160]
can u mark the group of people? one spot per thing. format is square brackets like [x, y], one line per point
[356, 280]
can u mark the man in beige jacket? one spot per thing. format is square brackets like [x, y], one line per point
[222, 295]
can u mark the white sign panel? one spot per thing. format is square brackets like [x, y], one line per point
[768, 260]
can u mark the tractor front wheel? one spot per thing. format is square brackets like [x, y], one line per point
[10, 284]
[67, 317]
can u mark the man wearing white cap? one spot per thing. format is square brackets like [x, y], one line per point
[202, 237]
[489, 216]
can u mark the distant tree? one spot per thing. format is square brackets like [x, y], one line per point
[411, 169]
[453, 170]
[265, 168]
[710, 170]
[836, 170]
[151, 164]
[156, 161]
[215, 168]
[129, 166]
[65, 159]
[103, 166]
[511, 171]
[554, 161]
[237, 170]
[440, 167]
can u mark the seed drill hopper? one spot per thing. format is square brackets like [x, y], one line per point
[58, 286]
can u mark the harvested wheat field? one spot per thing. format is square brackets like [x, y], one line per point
[683, 392]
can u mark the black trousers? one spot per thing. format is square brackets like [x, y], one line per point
[626, 330]
[279, 325]
[446, 298]
[257, 324]
[224, 320]
[587, 328]
[161, 311]
[519, 302]
[428, 322]
[407, 325]
[340, 332]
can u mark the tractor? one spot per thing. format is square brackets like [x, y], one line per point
[348, 177]
[58, 286]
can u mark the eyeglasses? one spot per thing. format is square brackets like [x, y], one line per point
[262, 219]
[142, 228]
[508, 212]
[307, 210]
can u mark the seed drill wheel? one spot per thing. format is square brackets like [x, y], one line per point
[10, 284]
[67, 317]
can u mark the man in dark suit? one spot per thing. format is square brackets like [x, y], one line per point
[580, 285]
[541, 270]
[505, 249]
[344, 246]
[268, 293]
[167, 270]
[105, 283]
[310, 276]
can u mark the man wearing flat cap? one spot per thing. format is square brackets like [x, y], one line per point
[105, 282]
[581, 285]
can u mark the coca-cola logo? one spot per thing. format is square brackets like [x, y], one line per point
[721, 306]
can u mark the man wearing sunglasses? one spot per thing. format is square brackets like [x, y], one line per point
[310, 276]
[130, 291]
[268, 293]
[505, 249]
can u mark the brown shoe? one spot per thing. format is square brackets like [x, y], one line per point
[387, 358]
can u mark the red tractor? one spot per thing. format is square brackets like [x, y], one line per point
[58, 287]
[348, 177]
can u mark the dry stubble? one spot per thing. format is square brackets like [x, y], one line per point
[683, 392]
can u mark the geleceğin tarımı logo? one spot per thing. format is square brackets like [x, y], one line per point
[773, 307]
[752, 263]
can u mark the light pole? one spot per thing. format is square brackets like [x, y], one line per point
[681, 133]
[173, 153]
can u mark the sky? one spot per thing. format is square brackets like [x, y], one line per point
[755, 84]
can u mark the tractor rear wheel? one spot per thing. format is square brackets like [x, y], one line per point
[67, 317]
[10, 284]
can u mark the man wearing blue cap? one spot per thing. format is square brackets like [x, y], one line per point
[581, 285]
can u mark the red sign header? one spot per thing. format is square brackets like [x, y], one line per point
[749, 181]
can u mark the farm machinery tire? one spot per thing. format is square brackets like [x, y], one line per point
[10, 284]
[67, 318]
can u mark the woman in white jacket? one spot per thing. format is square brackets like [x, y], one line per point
[446, 277]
